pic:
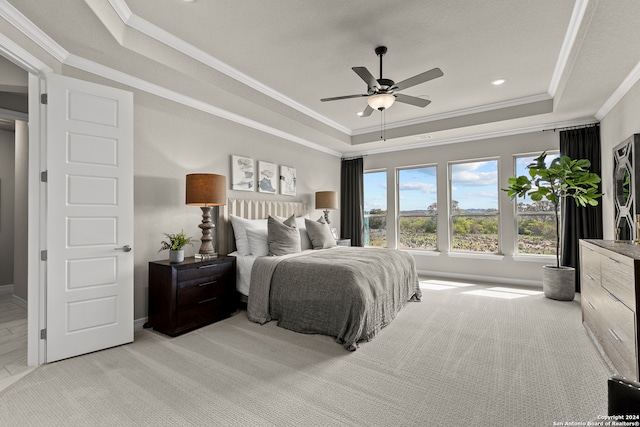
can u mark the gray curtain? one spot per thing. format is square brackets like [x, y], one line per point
[352, 201]
[578, 222]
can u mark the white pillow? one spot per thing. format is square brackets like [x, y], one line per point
[258, 243]
[240, 226]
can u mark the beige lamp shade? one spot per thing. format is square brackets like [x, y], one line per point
[206, 189]
[326, 200]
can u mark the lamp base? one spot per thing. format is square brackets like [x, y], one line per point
[326, 216]
[205, 257]
[206, 246]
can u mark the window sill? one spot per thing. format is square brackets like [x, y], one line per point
[470, 255]
[415, 252]
[534, 258]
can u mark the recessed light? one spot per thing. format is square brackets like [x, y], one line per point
[359, 113]
[498, 82]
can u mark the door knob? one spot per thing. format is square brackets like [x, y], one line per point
[125, 248]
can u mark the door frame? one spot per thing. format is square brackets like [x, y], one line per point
[36, 269]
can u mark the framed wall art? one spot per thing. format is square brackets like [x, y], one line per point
[267, 177]
[242, 173]
[287, 181]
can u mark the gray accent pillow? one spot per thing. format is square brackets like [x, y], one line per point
[283, 237]
[320, 234]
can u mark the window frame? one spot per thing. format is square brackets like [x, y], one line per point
[451, 215]
[399, 216]
[385, 215]
[517, 215]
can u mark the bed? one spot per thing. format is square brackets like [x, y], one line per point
[347, 293]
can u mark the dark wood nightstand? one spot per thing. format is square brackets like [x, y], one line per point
[343, 242]
[190, 294]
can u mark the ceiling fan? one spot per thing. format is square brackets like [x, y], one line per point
[382, 92]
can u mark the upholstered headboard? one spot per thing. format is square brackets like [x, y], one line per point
[251, 209]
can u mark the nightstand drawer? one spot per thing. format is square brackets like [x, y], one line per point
[207, 311]
[197, 291]
[204, 271]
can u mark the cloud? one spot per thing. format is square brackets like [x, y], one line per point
[425, 187]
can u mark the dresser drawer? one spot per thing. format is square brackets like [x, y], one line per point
[590, 264]
[619, 335]
[592, 314]
[617, 277]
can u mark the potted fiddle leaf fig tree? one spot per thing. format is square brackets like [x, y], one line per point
[564, 177]
[175, 243]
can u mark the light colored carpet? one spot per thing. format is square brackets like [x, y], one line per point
[464, 356]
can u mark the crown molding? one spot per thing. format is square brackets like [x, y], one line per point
[145, 27]
[478, 137]
[632, 78]
[575, 22]
[29, 29]
[23, 59]
[146, 86]
[458, 113]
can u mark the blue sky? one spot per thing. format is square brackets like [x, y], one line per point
[474, 186]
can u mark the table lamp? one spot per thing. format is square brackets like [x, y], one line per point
[206, 190]
[327, 200]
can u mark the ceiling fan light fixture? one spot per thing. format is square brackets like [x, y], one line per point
[381, 101]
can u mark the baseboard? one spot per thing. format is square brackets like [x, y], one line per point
[6, 289]
[139, 323]
[476, 278]
[19, 301]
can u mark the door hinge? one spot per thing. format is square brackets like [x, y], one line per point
[44, 98]
[43, 255]
[43, 334]
[44, 176]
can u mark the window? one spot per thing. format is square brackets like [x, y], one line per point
[417, 203]
[536, 220]
[474, 206]
[375, 208]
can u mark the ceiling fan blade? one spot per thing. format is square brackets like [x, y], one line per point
[420, 78]
[418, 102]
[367, 111]
[337, 98]
[367, 77]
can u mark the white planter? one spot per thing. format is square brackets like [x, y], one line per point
[176, 256]
[559, 283]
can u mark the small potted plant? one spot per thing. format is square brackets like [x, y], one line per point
[563, 178]
[175, 243]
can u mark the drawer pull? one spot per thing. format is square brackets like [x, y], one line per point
[591, 305]
[615, 335]
[613, 297]
[614, 260]
[589, 276]
[208, 283]
[208, 266]
[207, 300]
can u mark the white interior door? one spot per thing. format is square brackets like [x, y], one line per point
[89, 225]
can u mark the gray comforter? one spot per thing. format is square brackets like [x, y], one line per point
[347, 293]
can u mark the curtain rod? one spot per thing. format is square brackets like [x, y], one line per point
[573, 127]
[353, 157]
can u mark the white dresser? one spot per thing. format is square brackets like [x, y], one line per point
[609, 277]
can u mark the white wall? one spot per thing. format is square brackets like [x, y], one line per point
[7, 170]
[619, 124]
[517, 270]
